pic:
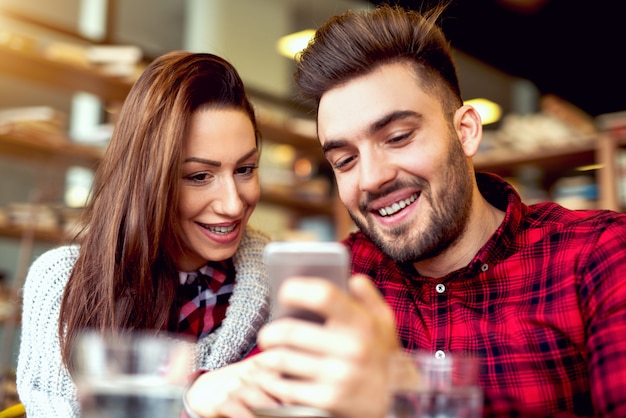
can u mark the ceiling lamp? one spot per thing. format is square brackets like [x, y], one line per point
[489, 111]
[290, 45]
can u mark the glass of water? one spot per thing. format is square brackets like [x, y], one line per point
[131, 375]
[429, 386]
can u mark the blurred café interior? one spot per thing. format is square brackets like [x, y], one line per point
[546, 76]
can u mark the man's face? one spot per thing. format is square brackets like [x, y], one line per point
[400, 167]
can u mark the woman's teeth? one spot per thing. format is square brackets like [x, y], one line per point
[390, 210]
[220, 229]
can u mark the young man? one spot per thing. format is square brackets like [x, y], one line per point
[462, 264]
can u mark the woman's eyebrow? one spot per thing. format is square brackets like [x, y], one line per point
[218, 163]
[203, 161]
[247, 155]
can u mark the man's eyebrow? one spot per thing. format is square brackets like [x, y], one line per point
[374, 127]
[218, 163]
[331, 144]
[392, 117]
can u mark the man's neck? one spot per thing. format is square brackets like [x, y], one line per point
[483, 221]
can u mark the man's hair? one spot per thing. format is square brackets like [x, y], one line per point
[356, 43]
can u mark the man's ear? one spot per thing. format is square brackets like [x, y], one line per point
[469, 129]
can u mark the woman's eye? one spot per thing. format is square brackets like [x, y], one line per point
[246, 170]
[198, 177]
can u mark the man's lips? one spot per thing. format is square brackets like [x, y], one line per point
[398, 205]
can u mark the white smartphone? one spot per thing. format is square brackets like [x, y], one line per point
[286, 259]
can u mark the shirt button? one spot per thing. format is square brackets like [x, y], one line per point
[440, 288]
[440, 355]
[484, 267]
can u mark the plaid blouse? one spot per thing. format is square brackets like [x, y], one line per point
[202, 298]
[543, 303]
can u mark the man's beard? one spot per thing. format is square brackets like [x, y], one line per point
[448, 217]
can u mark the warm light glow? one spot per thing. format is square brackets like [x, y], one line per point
[303, 167]
[489, 111]
[291, 45]
[283, 154]
[590, 167]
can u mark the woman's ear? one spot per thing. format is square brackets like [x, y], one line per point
[469, 129]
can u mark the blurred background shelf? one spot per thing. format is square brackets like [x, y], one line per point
[557, 158]
[596, 155]
[35, 68]
[43, 235]
[50, 148]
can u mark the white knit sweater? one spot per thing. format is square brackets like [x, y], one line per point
[44, 384]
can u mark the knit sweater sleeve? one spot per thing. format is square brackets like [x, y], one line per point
[43, 383]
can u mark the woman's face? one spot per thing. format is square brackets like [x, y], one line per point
[219, 185]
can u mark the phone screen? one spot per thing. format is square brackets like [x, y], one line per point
[328, 260]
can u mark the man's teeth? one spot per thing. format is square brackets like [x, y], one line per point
[220, 229]
[390, 210]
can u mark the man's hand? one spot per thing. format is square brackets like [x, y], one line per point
[341, 366]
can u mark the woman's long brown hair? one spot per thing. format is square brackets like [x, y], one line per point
[124, 277]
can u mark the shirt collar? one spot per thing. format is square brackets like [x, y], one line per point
[503, 196]
[206, 270]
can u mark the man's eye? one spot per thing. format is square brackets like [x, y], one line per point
[343, 163]
[399, 138]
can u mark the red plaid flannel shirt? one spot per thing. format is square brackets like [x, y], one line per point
[202, 298]
[543, 303]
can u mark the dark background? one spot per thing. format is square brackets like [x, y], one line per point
[570, 48]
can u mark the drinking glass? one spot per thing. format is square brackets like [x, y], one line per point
[291, 411]
[427, 386]
[131, 375]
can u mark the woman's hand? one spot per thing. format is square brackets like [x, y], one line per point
[228, 392]
[342, 366]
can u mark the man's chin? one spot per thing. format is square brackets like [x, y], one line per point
[388, 245]
[387, 240]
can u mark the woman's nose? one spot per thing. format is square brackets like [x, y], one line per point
[229, 202]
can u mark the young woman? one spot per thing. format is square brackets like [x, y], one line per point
[166, 246]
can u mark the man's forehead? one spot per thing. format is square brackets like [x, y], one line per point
[358, 103]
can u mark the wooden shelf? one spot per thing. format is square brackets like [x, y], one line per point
[10, 302]
[553, 163]
[552, 159]
[302, 204]
[557, 162]
[17, 232]
[36, 68]
[21, 144]
[283, 134]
